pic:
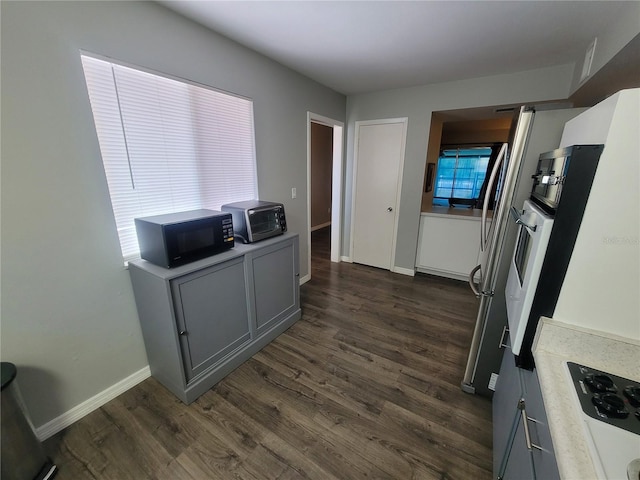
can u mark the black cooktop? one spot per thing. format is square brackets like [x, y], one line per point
[606, 397]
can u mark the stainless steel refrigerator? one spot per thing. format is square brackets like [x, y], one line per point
[535, 130]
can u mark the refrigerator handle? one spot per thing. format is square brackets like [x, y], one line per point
[485, 204]
[472, 284]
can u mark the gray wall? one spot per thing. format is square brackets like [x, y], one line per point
[68, 315]
[418, 103]
[611, 40]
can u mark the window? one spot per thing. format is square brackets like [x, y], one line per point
[460, 175]
[168, 145]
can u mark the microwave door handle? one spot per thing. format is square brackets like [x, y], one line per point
[487, 194]
[515, 214]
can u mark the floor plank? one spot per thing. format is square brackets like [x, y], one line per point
[366, 385]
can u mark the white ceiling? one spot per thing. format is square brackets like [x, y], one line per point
[363, 46]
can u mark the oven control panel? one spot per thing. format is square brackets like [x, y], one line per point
[606, 397]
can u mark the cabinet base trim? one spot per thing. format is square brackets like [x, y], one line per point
[404, 271]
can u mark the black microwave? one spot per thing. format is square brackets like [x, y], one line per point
[177, 238]
[255, 220]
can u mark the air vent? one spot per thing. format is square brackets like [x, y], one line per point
[505, 110]
[588, 60]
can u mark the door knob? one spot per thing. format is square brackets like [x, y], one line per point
[182, 332]
[389, 209]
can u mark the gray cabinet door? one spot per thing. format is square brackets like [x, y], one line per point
[519, 464]
[211, 313]
[505, 412]
[544, 460]
[275, 281]
[512, 459]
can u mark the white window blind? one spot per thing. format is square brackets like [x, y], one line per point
[168, 145]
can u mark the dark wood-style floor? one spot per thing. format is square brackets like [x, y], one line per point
[365, 385]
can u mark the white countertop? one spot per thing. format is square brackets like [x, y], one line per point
[555, 344]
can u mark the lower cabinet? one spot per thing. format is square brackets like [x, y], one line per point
[448, 245]
[522, 447]
[202, 320]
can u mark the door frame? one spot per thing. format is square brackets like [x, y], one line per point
[404, 121]
[336, 185]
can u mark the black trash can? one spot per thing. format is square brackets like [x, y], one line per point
[22, 456]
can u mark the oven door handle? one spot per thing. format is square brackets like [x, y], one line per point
[517, 217]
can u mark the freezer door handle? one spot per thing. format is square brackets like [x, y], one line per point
[474, 287]
[472, 284]
[485, 204]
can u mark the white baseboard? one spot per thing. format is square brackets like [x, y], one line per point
[305, 279]
[447, 274]
[76, 413]
[404, 271]
[322, 225]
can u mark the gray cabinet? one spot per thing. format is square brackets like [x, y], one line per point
[202, 320]
[522, 447]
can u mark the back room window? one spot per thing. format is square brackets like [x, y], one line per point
[460, 174]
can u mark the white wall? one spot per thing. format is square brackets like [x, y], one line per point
[601, 289]
[418, 103]
[68, 315]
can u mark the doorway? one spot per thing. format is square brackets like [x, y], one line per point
[335, 218]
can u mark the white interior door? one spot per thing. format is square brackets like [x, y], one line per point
[378, 164]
